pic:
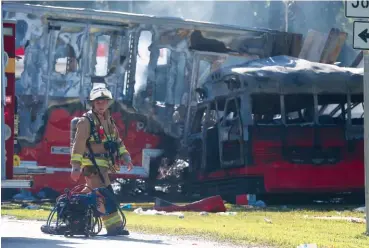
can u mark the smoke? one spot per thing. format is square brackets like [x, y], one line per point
[200, 11]
[143, 58]
[238, 13]
[231, 13]
[294, 16]
[195, 10]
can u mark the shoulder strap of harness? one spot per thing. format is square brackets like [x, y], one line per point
[96, 136]
[113, 124]
[93, 130]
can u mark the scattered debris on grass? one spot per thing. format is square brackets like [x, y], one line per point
[33, 207]
[268, 220]
[360, 209]
[227, 213]
[350, 219]
[307, 246]
[155, 212]
[266, 226]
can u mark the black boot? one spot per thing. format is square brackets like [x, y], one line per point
[117, 232]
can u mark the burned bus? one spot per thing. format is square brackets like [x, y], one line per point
[148, 64]
[277, 125]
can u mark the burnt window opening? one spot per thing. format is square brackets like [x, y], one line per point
[210, 117]
[67, 52]
[206, 65]
[331, 109]
[299, 108]
[102, 55]
[266, 109]
[142, 61]
[198, 120]
[67, 61]
[232, 109]
[164, 55]
[213, 117]
[164, 82]
[357, 109]
[216, 112]
[221, 101]
[203, 71]
[205, 117]
[181, 85]
[227, 110]
[231, 120]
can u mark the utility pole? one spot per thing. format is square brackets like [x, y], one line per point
[130, 6]
[360, 9]
[366, 135]
[286, 7]
[276, 15]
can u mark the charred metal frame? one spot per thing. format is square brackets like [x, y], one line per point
[189, 39]
[243, 82]
[249, 87]
[172, 33]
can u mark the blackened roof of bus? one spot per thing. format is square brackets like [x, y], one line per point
[289, 74]
[287, 64]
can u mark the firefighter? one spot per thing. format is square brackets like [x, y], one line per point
[100, 131]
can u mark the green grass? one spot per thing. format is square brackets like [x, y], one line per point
[289, 228]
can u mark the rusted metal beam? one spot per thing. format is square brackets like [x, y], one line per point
[357, 60]
[321, 47]
[296, 44]
[313, 46]
[333, 46]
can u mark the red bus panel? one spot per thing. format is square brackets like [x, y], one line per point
[9, 52]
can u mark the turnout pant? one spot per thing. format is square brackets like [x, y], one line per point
[112, 220]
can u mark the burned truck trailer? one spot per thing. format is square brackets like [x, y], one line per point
[150, 64]
[278, 125]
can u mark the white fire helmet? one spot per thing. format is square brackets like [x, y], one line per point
[99, 91]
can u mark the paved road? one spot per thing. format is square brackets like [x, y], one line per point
[16, 233]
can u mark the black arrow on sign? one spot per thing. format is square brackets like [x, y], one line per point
[364, 35]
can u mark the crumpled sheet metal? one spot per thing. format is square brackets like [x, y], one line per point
[284, 74]
[180, 37]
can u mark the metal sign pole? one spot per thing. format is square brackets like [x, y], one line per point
[366, 134]
[360, 9]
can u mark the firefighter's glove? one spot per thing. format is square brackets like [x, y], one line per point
[75, 172]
